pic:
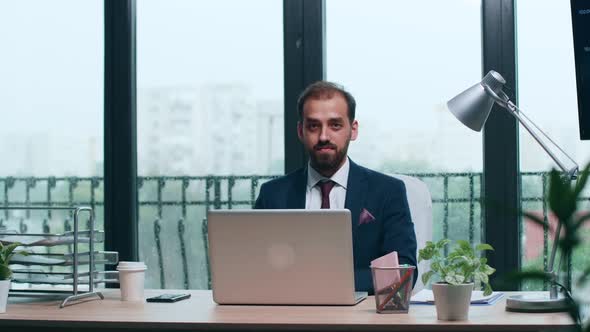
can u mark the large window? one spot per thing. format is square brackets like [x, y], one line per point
[51, 106]
[402, 63]
[51, 82]
[547, 94]
[210, 122]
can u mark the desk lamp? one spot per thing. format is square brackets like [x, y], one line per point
[472, 107]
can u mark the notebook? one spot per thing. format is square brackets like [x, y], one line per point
[301, 257]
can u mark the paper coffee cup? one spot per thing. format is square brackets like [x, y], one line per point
[131, 280]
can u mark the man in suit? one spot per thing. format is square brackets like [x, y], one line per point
[381, 221]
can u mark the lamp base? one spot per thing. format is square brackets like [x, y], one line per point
[536, 303]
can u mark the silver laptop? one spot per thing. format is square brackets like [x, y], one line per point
[301, 257]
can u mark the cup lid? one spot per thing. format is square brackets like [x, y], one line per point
[131, 266]
[126, 263]
[132, 269]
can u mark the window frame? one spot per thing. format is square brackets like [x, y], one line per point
[304, 62]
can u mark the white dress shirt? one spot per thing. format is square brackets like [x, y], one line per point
[313, 194]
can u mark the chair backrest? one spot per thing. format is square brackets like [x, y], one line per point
[420, 203]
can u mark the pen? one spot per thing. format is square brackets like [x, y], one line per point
[386, 289]
[395, 287]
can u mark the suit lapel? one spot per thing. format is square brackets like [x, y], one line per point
[296, 198]
[356, 192]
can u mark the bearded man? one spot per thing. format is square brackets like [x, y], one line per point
[381, 221]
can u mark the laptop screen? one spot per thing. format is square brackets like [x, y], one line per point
[281, 256]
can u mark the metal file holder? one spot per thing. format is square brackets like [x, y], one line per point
[76, 239]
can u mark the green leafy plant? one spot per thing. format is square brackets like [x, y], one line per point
[6, 253]
[563, 198]
[462, 265]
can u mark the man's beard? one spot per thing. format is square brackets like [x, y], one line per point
[327, 163]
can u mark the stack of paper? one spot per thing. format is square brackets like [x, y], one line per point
[425, 296]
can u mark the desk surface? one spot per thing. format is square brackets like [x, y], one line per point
[201, 313]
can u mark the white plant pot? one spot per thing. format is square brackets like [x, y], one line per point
[4, 287]
[452, 301]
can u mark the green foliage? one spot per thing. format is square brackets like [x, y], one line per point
[563, 198]
[580, 260]
[563, 201]
[6, 253]
[460, 266]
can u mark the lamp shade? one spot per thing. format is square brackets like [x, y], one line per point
[472, 106]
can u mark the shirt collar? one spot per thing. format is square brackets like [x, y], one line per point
[340, 177]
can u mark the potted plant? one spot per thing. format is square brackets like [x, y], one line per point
[457, 273]
[6, 253]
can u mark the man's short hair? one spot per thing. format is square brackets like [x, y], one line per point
[325, 90]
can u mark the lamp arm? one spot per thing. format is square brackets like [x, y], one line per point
[554, 249]
[553, 287]
[571, 171]
[503, 100]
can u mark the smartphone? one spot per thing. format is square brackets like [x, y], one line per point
[168, 298]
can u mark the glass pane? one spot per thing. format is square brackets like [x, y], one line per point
[210, 112]
[402, 64]
[51, 105]
[547, 94]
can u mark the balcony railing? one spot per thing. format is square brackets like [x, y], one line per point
[172, 209]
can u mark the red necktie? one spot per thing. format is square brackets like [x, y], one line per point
[326, 187]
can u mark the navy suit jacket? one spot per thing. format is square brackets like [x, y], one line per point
[382, 195]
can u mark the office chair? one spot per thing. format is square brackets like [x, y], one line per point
[420, 203]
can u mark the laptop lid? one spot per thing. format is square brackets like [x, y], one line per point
[281, 257]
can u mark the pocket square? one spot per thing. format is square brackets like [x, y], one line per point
[365, 217]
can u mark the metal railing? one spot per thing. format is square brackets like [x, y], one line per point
[172, 208]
